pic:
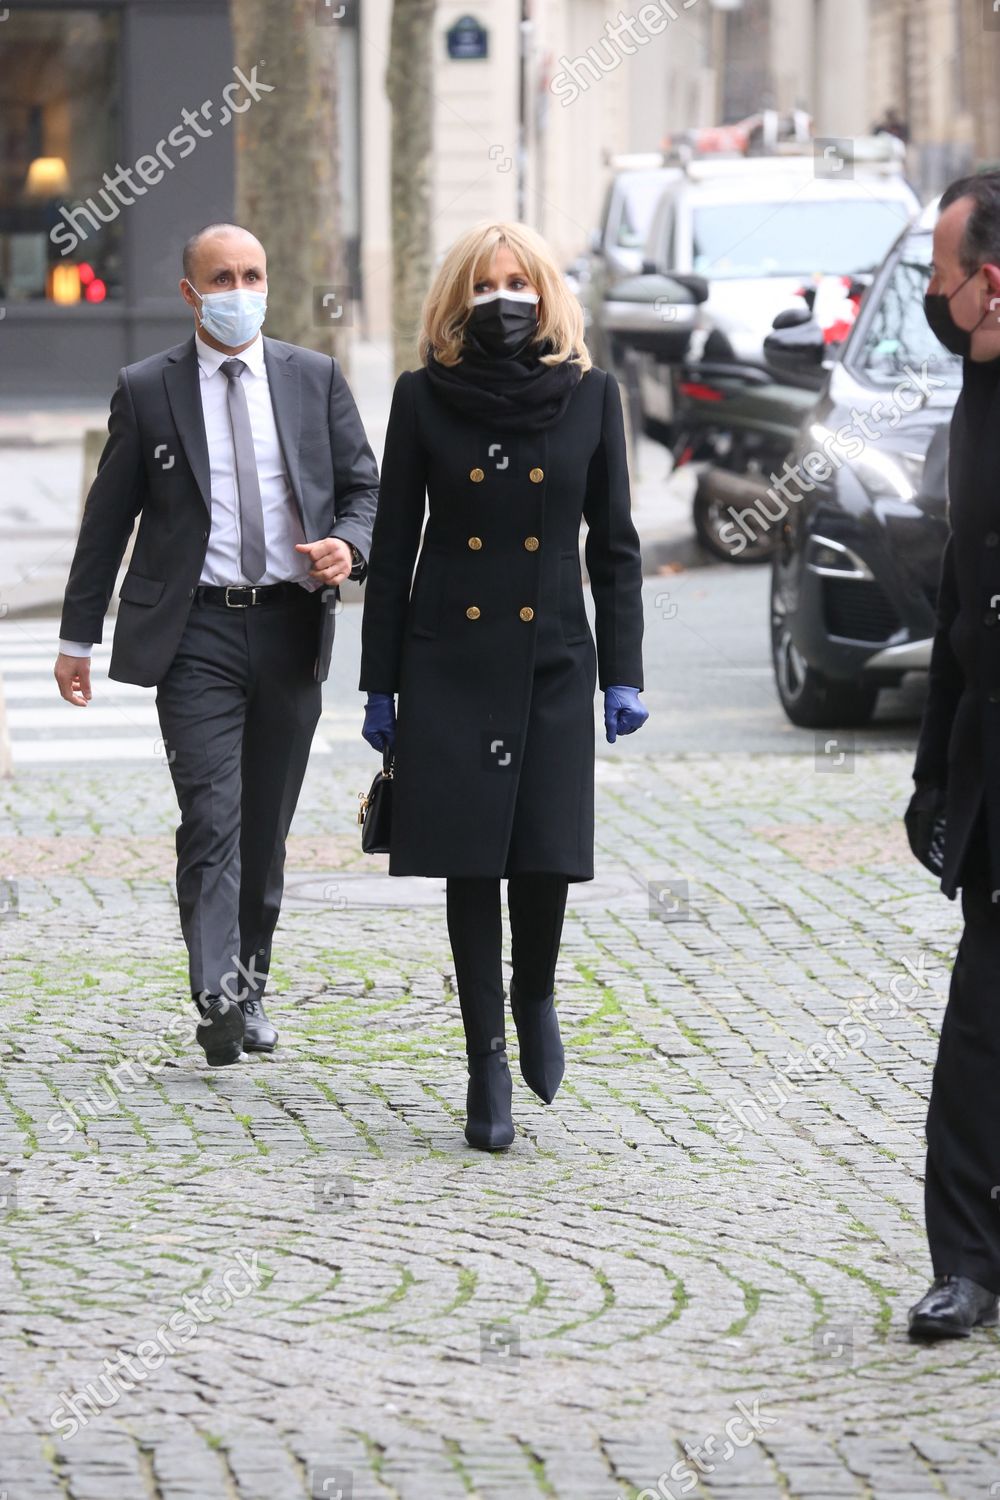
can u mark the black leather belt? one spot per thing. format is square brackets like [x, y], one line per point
[245, 595]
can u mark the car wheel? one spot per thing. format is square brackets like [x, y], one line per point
[713, 522]
[811, 700]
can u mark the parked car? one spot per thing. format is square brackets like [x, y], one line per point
[765, 233]
[855, 573]
[617, 244]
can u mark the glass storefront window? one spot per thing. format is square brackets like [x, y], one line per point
[59, 136]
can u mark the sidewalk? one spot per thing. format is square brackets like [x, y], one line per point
[673, 1253]
[41, 478]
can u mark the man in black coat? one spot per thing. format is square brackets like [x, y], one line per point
[954, 816]
[247, 464]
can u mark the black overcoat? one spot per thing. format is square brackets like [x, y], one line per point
[959, 747]
[491, 652]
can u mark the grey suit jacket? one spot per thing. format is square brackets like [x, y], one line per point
[155, 466]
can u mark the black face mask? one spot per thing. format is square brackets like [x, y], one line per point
[505, 326]
[937, 311]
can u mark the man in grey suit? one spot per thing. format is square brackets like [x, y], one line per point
[247, 464]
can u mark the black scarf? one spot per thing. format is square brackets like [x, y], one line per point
[517, 394]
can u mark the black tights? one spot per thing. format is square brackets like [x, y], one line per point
[536, 904]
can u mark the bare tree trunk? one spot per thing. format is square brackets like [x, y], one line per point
[288, 167]
[408, 85]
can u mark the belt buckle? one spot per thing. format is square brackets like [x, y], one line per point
[245, 587]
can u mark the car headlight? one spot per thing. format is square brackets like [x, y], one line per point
[889, 475]
[886, 473]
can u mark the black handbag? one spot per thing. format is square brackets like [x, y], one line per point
[375, 812]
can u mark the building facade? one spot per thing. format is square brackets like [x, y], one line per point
[117, 130]
[108, 158]
[936, 66]
[530, 99]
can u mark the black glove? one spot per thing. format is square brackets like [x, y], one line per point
[924, 819]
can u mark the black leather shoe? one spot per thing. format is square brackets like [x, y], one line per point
[540, 1047]
[258, 1035]
[952, 1308]
[220, 1031]
[488, 1125]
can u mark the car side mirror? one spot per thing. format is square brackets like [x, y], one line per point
[795, 345]
[792, 317]
[696, 285]
[654, 314]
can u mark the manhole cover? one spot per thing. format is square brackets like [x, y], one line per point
[348, 888]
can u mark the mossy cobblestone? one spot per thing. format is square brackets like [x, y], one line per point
[433, 1323]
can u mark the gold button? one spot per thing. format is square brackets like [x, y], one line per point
[475, 542]
[472, 613]
[476, 475]
[527, 613]
[536, 476]
[531, 543]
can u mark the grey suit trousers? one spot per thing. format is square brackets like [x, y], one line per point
[237, 709]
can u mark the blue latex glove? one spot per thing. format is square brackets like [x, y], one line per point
[623, 713]
[379, 728]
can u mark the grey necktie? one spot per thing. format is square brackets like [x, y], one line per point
[253, 554]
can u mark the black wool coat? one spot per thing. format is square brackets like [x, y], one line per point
[491, 652]
[959, 746]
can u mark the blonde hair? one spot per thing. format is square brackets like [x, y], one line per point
[447, 305]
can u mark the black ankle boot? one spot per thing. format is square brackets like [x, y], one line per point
[542, 1058]
[489, 1126]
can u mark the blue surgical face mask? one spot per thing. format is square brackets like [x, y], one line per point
[234, 318]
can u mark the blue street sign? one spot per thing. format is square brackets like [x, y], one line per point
[467, 39]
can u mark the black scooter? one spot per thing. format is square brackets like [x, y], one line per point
[739, 419]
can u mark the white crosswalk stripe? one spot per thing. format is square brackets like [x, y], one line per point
[120, 722]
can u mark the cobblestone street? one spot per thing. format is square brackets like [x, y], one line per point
[495, 359]
[320, 1290]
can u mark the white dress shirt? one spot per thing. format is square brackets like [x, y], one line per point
[282, 526]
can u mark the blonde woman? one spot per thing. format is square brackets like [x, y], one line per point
[514, 437]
